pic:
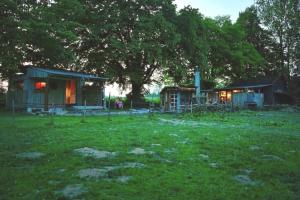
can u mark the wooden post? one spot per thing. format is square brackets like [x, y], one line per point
[191, 106]
[84, 110]
[108, 114]
[13, 109]
[51, 115]
[46, 96]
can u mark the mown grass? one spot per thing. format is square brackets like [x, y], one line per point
[175, 170]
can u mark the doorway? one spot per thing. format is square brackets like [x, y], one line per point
[70, 92]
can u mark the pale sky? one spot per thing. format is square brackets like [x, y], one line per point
[213, 8]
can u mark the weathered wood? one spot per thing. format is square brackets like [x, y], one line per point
[46, 97]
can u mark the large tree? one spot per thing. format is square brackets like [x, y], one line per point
[38, 33]
[230, 56]
[282, 18]
[128, 40]
[262, 40]
[191, 51]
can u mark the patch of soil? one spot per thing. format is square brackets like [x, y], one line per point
[140, 151]
[271, 157]
[245, 180]
[30, 155]
[94, 153]
[124, 179]
[72, 191]
[93, 173]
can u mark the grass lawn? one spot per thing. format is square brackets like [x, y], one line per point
[243, 155]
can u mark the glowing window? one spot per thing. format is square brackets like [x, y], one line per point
[40, 85]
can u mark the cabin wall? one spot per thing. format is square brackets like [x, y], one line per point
[239, 99]
[93, 95]
[36, 99]
[57, 92]
[169, 104]
[268, 95]
[79, 92]
[17, 94]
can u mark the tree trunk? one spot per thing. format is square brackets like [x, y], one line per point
[136, 91]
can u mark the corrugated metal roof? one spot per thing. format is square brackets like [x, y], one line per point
[70, 73]
[246, 86]
[175, 88]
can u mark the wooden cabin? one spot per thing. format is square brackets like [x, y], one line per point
[240, 94]
[175, 99]
[43, 89]
[252, 93]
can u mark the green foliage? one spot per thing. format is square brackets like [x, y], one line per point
[128, 41]
[230, 54]
[191, 50]
[39, 33]
[282, 18]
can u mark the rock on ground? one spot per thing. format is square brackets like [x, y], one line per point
[93, 173]
[214, 165]
[254, 148]
[140, 151]
[204, 156]
[124, 179]
[244, 179]
[94, 153]
[271, 157]
[72, 191]
[30, 155]
[133, 165]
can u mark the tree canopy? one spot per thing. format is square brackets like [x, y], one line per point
[131, 41]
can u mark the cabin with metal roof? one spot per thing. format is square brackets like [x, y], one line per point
[44, 89]
[175, 99]
[255, 93]
[261, 92]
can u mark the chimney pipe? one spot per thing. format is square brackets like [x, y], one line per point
[197, 84]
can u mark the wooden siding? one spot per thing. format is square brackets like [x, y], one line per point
[240, 99]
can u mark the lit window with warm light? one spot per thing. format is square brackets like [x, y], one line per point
[40, 85]
[229, 96]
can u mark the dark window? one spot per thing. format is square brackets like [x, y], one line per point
[53, 85]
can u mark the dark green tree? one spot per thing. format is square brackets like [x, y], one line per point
[38, 33]
[262, 40]
[231, 57]
[282, 19]
[128, 41]
[191, 51]
[11, 37]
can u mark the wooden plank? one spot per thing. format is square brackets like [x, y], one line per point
[46, 97]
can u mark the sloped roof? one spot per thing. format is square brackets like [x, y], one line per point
[60, 72]
[258, 83]
[176, 88]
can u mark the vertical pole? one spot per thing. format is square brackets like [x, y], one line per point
[46, 99]
[13, 109]
[191, 106]
[108, 114]
[84, 110]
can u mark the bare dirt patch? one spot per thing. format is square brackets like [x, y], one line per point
[245, 180]
[140, 151]
[94, 153]
[72, 191]
[271, 157]
[124, 179]
[93, 173]
[30, 155]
